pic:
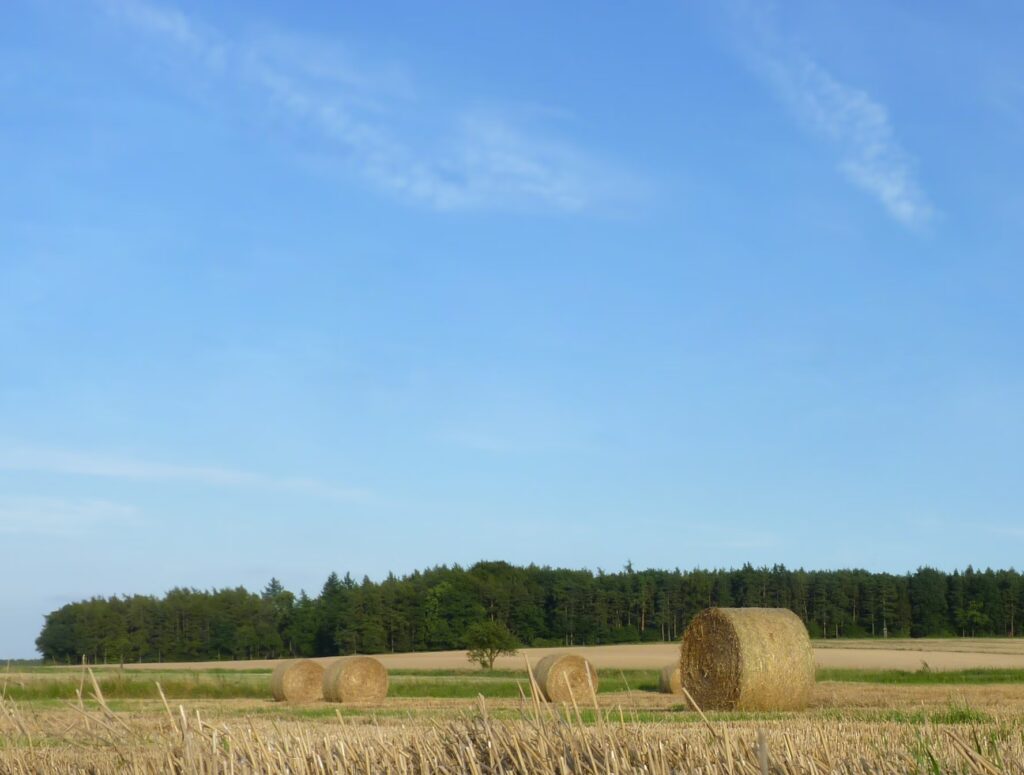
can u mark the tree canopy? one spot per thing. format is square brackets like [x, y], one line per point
[489, 640]
[540, 606]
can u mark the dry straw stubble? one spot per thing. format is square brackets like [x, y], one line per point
[147, 744]
[565, 677]
[355, 679]
[670, 680]
[747, 659]
[297, 680]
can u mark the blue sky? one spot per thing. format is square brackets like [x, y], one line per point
[370, 287]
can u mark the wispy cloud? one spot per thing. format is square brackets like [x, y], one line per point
[860, 126]
[857, 124]
[367, 117]
[76, 463]
[61, 517]
[169, 23]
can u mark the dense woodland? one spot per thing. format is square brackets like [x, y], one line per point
[542, 607]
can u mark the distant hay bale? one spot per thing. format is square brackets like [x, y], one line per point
[670, 681]
[297, 680]
[561, 677]
[747, 659]
[355, 679]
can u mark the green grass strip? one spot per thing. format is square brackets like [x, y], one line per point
[923, 677]
[199, 686]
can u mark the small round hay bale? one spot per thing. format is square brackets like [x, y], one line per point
[297, 680]
[747, 659]
[670, 681]
[561, 677]
[355, 679]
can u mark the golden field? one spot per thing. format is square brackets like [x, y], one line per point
[444, 716]
[891, 654]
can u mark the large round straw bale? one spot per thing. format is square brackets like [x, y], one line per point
[747, 659]
[670, 681]
[562, 677]
[297, 680]
[355, 679]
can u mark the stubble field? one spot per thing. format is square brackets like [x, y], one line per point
[889, 706]
[891, 654]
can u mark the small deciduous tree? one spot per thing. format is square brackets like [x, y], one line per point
[487, 641]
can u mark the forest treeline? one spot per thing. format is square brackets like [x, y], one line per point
[542, 606]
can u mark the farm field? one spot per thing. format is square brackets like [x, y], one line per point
[891, 654]
[867, 714]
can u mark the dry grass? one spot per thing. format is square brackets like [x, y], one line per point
[1007, 646]
[540, 739]
[848, 727]
[355, 679]
[297, 680]
[892, 654]
[748, 659]
[670, 679]
[565, 678]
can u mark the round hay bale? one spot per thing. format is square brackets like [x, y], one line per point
[297, 680]
[670, 681]
[561, 677]
[355, 679]
[747, 659]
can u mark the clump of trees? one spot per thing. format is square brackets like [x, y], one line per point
[539, 606]
[489, 640]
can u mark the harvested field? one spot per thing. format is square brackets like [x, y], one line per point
[893, 654]
[914, 659]
[638, 690]
[99, 739]
[434, 720]
[1011, 646]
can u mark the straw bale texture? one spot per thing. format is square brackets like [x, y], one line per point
[297, 680]
[670, 681]
[747, 659]
[561, 677]
[355, 679]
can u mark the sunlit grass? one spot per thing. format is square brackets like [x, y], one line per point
[971, 676]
